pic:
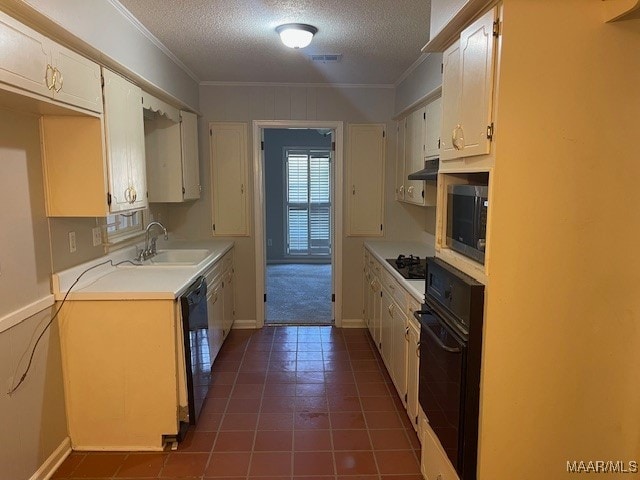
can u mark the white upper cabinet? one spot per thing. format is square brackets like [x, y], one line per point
[190, 158]
[467, 90]
[365, 180]
[31, 62]
[418, 135]
[124, 133]
[230, 206]
[400, 173]
[414, 156]
[171, 151]
[432, 129]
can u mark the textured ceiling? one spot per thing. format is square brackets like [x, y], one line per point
[236, 41]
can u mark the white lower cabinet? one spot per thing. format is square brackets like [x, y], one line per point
[413, 362]
[220, 302]
[435, 464]
[389, 316]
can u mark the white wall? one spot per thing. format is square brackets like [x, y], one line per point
[426, 77]
[248, 103]
[32, 420]
[100, 26]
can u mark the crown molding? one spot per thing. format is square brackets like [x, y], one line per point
[152, 38]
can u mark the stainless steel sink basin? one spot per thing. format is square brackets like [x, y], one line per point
[177, 257]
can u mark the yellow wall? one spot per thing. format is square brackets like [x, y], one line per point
[562, 333]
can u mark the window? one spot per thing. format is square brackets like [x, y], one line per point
[308, 202]
[123, 226]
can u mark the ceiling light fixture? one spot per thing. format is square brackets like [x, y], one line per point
[296, 35]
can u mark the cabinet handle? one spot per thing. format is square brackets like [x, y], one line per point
[457, 137]
[57, 75]
[242, 188]
[410, 191]
[390, 309]
[127, 195]
[48, 83]
[418, 349]
[353, 190]
[401, 190]
[406, 333]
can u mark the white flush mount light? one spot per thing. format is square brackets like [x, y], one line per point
[296, 35]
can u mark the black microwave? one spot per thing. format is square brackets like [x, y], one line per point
[467, 220]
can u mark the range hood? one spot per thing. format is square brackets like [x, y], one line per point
[429, 172]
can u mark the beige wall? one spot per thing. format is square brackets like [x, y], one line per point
[33, 421]
[425, 78]
[248, 103]
[562, 333]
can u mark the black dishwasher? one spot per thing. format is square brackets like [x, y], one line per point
[196, 346]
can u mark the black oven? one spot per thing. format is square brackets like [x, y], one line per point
[450, 354]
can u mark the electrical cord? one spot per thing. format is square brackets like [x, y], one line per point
[33, 351]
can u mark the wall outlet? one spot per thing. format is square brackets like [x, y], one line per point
[97, 236]
[72, 242]
[269, 242]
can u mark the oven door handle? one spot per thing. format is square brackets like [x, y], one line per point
[433, 336]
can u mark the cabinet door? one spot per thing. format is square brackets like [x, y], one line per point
[25, 57]
[386, 329]
[229, 178]
[376, 313]
[400, 152]
[77, 81]
[214, 315]
[228, 310]
[365, 180]
[450, 101]
[476, 84]
[414, 156]
[399, 363]
[124, 131]
[432, 129]
[190, 157]
[413, 362]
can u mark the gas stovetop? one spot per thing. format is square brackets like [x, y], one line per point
[409, 266]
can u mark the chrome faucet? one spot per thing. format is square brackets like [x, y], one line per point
[150, 243]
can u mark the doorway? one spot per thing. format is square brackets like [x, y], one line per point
[298, 193]
[298, 219]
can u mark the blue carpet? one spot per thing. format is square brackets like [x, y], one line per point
[299, 294]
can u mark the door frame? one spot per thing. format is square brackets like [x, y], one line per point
[259, 207]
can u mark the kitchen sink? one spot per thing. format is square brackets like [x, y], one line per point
[177, 257]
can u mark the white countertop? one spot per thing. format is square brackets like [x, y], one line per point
[128, 282]
[383, 250]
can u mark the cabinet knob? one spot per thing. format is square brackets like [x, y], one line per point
[410, 191]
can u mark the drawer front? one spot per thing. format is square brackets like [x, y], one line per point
[435, 464]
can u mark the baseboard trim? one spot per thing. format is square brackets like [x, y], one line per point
[353, 323]
[243, 324]
[51, 464]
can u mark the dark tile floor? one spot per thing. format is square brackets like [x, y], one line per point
[287, 402]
